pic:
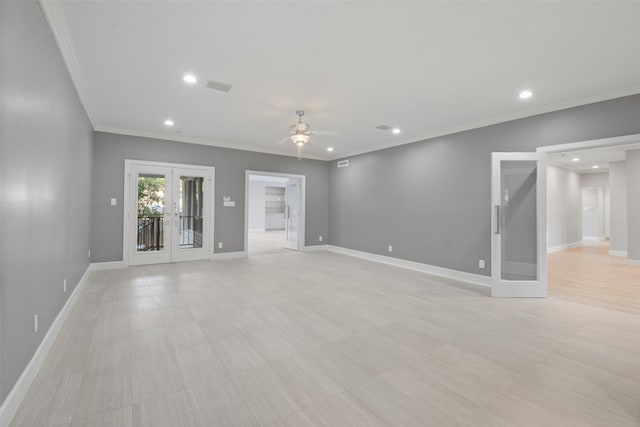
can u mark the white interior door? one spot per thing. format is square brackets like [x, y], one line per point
[519, 258]
[292, 215]
[169, 213]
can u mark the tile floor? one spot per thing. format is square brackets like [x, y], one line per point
[271, 241]
[320, 339]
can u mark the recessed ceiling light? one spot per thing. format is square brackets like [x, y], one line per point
[575, 159]
[190, 78]
[329, 148]
[595, 166]
[525, 94]
[168, 122]
[395, 131]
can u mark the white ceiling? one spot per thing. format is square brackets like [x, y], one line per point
[588, 158]
[429, 68]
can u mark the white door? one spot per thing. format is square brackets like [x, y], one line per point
[169, 213]
[292, 215]
[519, 257]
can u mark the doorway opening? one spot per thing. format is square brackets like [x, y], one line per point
[168, 212]
[588, 228]
[274, 212]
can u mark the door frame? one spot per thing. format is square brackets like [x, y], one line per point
[126, 204]
[303, 190]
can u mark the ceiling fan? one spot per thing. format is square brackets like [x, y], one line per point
[300, 133]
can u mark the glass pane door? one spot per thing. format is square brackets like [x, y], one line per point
[169, 214]
[519, 244]
[150, 215]
[191, 209]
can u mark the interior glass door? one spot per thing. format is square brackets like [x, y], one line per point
[519, 226]
[292, 215]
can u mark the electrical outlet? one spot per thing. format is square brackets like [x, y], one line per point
[35, 323]
[390, 248]
[481, 263]
[64, 286]
[219, 245]
[320, 239]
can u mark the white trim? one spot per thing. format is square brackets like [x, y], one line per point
[593, 143]
[227, 255]
[113, 265]
[303, 203]
[18, 392]
[563, 247]
[57, 21]
[315, 248]
[586, 239]
[618, 253]
[257, 230]
[461, 276]
[633, 262]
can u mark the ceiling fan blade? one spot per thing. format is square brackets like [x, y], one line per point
[326, 132]
[283, 140]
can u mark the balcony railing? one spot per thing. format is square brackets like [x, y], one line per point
[150, 233]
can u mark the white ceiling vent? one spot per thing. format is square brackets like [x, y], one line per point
[222, 87]
[383, 127]
[343, 163]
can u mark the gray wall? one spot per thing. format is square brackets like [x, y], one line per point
[564, 207]
[111, 150]
[633, 205]
[46, 184]
[618, 206]
[430, 199]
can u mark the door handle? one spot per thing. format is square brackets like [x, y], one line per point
[497, 229]
[175, 212]
[286, 212]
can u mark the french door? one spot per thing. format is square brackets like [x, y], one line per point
[292, 215]
[169, 213]
[518, 201]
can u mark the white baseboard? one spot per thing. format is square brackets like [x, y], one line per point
[255, 230]
[593, 239]
[315, 248]
[633, 262]
[227, 255]
[618, 253]
[559, 248]
[18, 392]
[460, 276]
[114, 265]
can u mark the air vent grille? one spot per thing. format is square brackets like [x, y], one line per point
[383, 127]
[222, 87]
[343, 163]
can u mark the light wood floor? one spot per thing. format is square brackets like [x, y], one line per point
[589, 275]
[319, 339]
[266, 242]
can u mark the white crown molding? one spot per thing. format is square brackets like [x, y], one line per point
[54, 15]
[201, 141]
[460, 276]
[525, 113]
[15, 397]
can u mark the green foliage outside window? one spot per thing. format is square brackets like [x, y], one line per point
[150, 196]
